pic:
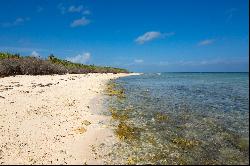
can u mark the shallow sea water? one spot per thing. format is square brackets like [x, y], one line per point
[181, 118]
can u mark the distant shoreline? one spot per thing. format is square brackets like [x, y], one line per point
[191, 72]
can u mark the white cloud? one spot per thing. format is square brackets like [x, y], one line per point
[73, 9]
[138, 61]
[35, 54]
[148, 36]
[16, 22]
[80, 22]
[80, 58]
[230, 13]
[206, 42]
[76, 9]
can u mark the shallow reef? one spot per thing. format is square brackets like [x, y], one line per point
[160, 125]
[112, 90]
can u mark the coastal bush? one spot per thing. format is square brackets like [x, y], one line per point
[9, 67]
[35, 66]
[14, 64]
[77, 68]
[8, 55]
[28, 66]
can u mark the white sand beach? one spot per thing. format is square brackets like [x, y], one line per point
[53, 119]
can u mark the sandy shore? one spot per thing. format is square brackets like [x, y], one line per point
[53, 119]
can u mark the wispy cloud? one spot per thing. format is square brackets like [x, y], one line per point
[80, 58]
[18, 21]
[75, 9]
[152, 35]
[78, 10]
[138, 61]
[194, 63]
[35, 54]
[80, 22]
[230, 13]
[206, 42]
[217, 61]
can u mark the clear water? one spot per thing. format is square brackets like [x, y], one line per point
[184, 118]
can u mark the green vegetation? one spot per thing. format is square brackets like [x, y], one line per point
[14, 64]
[8, 55]
[74, 67]
[160, 117]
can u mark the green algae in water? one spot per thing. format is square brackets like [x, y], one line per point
[160, 117]
[185, 143]
[127, 132]
[118, 116]
[243, 144]
[181, 119]
[112, 90]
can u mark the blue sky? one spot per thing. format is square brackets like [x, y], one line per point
[140, 35]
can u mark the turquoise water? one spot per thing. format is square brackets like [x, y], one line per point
[184, 118]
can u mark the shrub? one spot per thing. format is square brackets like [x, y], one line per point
[9, 67]
[29, 66]
[14, 64]
[34, 66]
